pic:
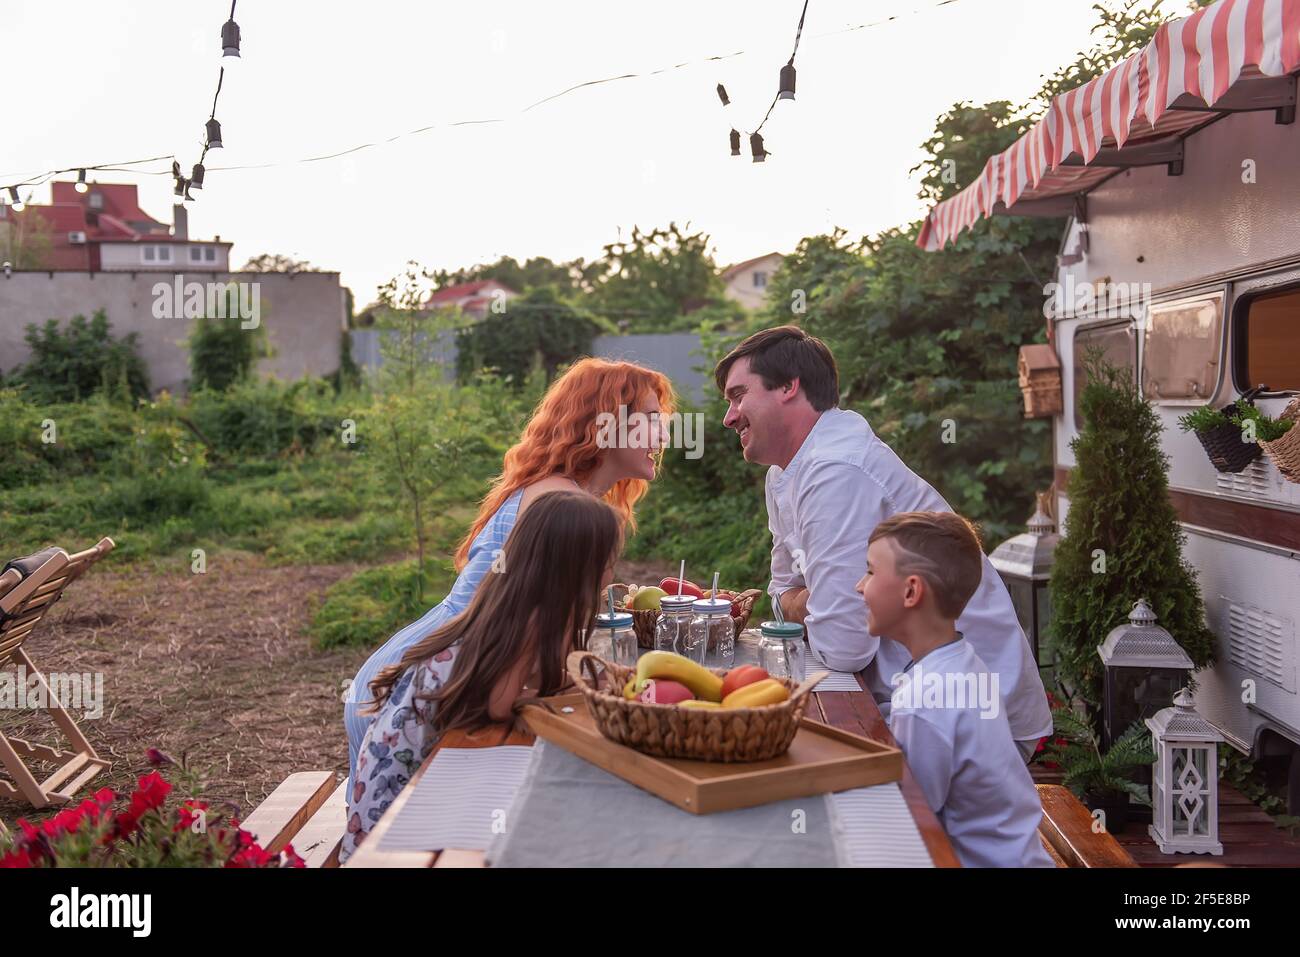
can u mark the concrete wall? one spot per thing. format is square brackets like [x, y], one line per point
[303, 316]
[674, 354]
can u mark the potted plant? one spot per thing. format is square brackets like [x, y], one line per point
[1231, 435]
[1101, 779]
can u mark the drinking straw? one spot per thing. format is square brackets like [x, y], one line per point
[715, 585]
[776, 609]
[681, 578]
[610, 593]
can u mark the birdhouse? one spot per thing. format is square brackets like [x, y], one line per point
[1185, 780]
[1040, 381]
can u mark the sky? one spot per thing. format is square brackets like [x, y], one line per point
[89, 83]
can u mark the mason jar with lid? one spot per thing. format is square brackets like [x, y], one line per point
[617, 631]
[673, 627]
[711, 629]
[780, 650]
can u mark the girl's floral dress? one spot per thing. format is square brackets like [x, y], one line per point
[399, 739]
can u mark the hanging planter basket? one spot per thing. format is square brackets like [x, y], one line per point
[1285, 452]
[1223, 444]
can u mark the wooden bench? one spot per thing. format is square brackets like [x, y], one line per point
[309, 810]
[1067, 833]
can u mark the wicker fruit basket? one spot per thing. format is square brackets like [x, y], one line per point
[644, 619]
[667, 731]
[1285, 452]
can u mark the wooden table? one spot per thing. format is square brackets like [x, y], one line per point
[854, 712]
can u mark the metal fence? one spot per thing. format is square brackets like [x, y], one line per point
[676, 355]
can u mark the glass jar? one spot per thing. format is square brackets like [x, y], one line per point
[674, 624]
[780, 650]
[711, 631]
[616, 632]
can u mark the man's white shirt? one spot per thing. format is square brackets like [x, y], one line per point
[822, 508]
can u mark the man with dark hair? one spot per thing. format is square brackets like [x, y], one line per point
[830, 482]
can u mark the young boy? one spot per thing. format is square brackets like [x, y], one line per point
[922, 568]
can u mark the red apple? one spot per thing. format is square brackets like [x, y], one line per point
[739, 677]
[662, 691]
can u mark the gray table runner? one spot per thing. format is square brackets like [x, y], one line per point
[570, 813]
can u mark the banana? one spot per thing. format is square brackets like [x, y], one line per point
[698, 705]
[629, 689]
[704, 684]
[756, 695]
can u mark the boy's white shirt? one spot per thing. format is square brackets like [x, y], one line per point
[822, 508]
[973, 776]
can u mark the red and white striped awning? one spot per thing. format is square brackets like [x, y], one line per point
[1156, 96]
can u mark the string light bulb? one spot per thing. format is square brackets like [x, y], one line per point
[756, 147]
[81, 186]
[196, 176]
[230, 39]
[179, 188]
[787, 83]
[214, 134]
[722, 95]
[735, 142]
[14, 201]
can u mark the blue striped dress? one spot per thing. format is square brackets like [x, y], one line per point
[483, 551]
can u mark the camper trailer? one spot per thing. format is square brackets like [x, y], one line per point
[1180, 178]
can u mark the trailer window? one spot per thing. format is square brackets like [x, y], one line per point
[1118, 346]
[1180, 359]
[1267, 338]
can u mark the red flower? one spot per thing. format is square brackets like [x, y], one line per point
[251, 856]
[151, 792]
[190, 812]
[17, 858]
[157, 758]
[291, 859]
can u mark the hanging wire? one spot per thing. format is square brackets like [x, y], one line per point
[797, 34]
[38, 179]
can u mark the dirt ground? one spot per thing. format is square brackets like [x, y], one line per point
[219, 666]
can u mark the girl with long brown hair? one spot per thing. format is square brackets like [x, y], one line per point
[525, 618]
[560, 448]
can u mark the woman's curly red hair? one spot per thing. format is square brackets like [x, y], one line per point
[561, 436]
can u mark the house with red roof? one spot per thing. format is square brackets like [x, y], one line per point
[475, 298]
[104, 229]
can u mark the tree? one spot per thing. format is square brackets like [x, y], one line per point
[653, 281]
[1122, 539]
[222, 351]
[421, 431]
[25, 240]
[72, 363]
[274, 262]
[927, 342]
[538, 329]
[538, 271]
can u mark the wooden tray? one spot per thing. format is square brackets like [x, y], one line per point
[821, 759]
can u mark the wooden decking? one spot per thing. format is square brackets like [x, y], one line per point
[1249, 836]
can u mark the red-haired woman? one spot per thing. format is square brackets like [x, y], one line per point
[564, 446]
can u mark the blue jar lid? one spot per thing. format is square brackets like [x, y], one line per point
[782, 629]
[620, 619]
[712, 606]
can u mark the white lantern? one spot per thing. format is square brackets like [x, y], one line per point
[1185, 781]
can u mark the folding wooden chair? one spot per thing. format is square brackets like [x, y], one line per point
[28, 587]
